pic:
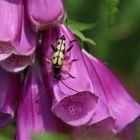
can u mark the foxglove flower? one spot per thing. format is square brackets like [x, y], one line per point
[9, 85]
[25, 49]
[128, 133]
[34, 114]
[119, 102]
[73, 103]
[74, 99]
[45, 13]
[16, 63]
[28, 39]
[10, 26]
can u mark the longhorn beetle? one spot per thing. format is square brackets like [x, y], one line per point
[58, 59]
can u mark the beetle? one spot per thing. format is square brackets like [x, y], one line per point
[59, 56]
[59, 53]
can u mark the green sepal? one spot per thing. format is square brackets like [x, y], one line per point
[82, 37]
[74, 25]
[77, 28]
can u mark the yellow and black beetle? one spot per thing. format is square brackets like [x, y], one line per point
[59, 56]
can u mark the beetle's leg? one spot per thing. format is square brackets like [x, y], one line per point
[48, 60]
[73, 41]
[70, 45]
[66, 72]
[50, 70]
[53, 48]
[70, 62]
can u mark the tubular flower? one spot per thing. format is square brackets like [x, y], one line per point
[10, 23]
[74, 103]
[25, 49]
[28, 40]
[100, 133]
[99, 101]
[45, 13]
[16, 63]
[34, 114]
[9, 84]
[114, 94]
[77, 92]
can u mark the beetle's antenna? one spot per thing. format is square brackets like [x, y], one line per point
[68, 86]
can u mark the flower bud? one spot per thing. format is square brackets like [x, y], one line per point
[10, 26]
[45, 13]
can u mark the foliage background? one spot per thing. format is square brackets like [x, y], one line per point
[118, 45]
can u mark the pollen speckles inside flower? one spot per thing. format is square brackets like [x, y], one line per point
[73, 109]
[77, 106]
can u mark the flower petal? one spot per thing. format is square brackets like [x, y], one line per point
[16, 63]
[114, 95]
[49, 14]
[128, 133]
[6, 49]
[102, 110]
[28, 40]
[10, 17]
[74, 99]
[9, 85]
[99, 131]
[34, 109]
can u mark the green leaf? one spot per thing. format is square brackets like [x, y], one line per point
[50, 136]
[83, 38]
[66, 20]
[112, 10]
[90, 41]
[74, 25]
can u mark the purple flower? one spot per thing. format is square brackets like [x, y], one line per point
[27, 43]
[77, 91]
[25, 47]
[127, 133]
[16, 63]
[87, 93]
[74, 99]
[45, 13]
[9, 85]
[117, 99]
[10, 26]
[34, 114]
[122, 110]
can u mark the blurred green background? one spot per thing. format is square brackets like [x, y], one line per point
[118, 45]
